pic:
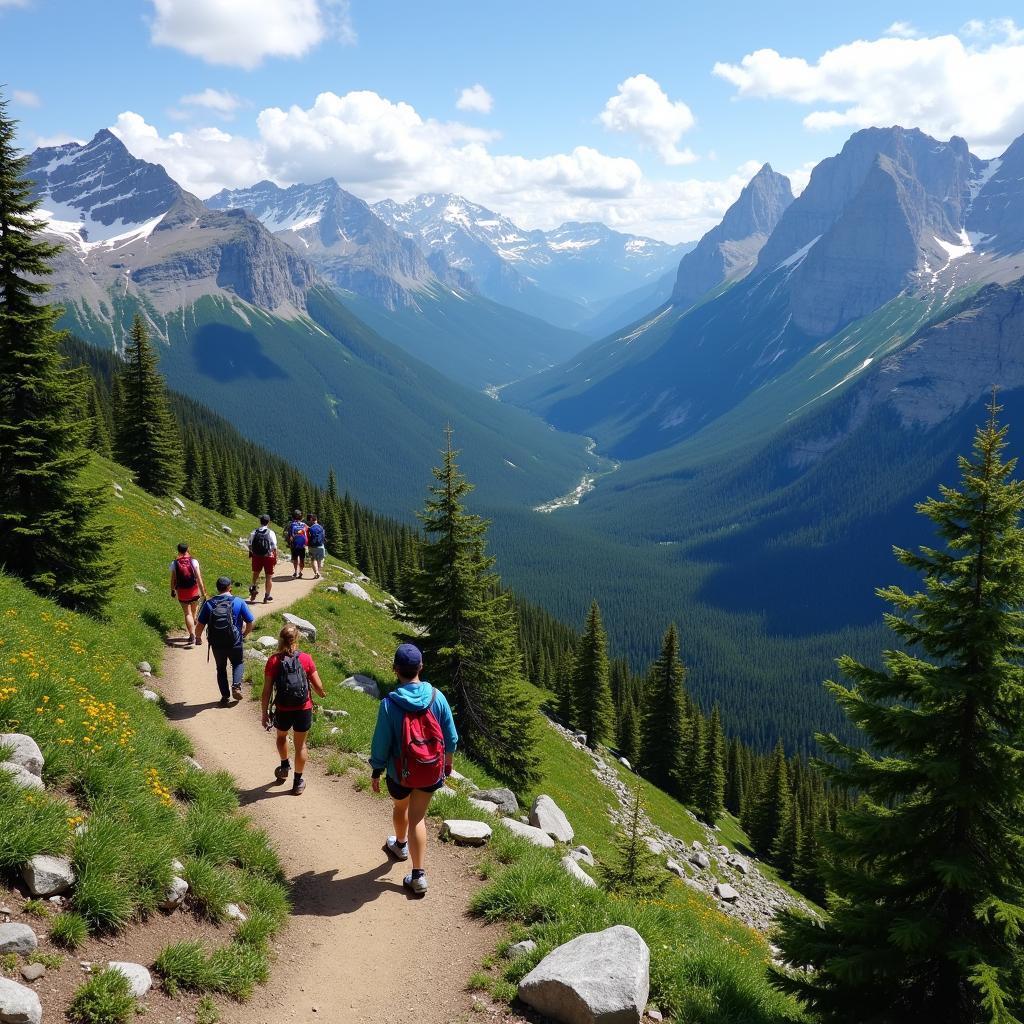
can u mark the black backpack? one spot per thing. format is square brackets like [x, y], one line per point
[291, 687]
[261, 543]
[221, 630]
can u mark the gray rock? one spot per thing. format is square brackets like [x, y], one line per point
[193, 763]
[23, 750]
[145, 668]
[304, 626]
[334, 730]
[46, 876]
[466, 832]
[267, 642]
[354, 590]
[582, 853]
[117, 487]
[675, 867]
[504, 798]
[446, 793]
[654, 1013]
[548, 817]
[701, 859]
[151, 695]
[17, 938]
[251, 654]
[180, 504]
[726, 893]
[364, 684]
[528, 832]
[176, 893]
[18, 1004]
[697, 844]
[331, 590]
[33, 972]
[572, 866]
[654, 846]
[625, 763]
[138, 976]
[598, 978]
[485, 805]
[722, 851]
[140, 589]
[333, 713]
[233, 912]
[225, 528]
[740, 864]
[460, 778]
[521, 948]
[176, 866]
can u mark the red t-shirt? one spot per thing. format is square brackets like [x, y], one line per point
[270, 672]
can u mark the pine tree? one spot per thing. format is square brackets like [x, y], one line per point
[98, 437]
[734, 778]
[693, 755]
[928, 868]
[595, 713]
[711, 784]
[49, 530]
[786, 848]
[808, 871]
[634, 869]
[629, 733]
[146, 439]
[771, 808]
[663, 733]
[471, 647]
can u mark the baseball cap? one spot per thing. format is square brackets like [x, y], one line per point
[408, 659]
[264, 519]
[223, 582]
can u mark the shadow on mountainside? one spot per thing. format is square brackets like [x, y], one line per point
[227, 354]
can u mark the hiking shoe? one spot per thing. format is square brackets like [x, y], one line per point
[267, 599]
[298, 786]
[199, 641]
[253, 591]
[236, 692]
[417, 886]
[302, 576]
[281, 772]
[225, 702]
[190, 641]
[400, 851]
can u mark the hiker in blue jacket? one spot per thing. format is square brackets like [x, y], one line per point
[414, 742]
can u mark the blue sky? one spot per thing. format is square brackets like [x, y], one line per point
[649, 117]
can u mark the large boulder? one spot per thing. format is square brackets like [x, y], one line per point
[304, 626]
[504, 798]
[485, 805]
[364, 684]
[726, 893]
[598, 978]
[46, 876]
[528, 832]
[21, 776]
[139, 978]
[354, 590]
[19, 1004]
[23, 750]
[548, 817]
[700, 859]
[466, 832]
[572, 866]
[17, 938]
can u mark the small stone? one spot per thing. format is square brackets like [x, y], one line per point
[722, 851]
[33, 972]
[193, 763]
[23, 750]
[572, 866]
[175, 895]
[334, 731]
[741, 865]
[117, 487]
[45, 875]
[625, 763]
[57, 901]
[151, 695]
[700, 859]
[145, 668]
[521, 948]
[233, 912]
[225, 529]
[460, 778]
[140, 589]
[139, 978]
[675, 867]
[331, 590]
[528, 832]
[267, 642]
[304, 626]
[180, 504]
[251, 654]
[504, 798]
[654, 846]
[654, 1013]
[485, 805]
[466, 832]
[726, 893]
[582, 853]
[446, 793]
[176, 866]
[356, 591]
[364, 684]
[334, 713]
[17, 938]
[18, 1004]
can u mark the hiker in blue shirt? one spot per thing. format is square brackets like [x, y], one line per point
[414, 742]
[228, 621]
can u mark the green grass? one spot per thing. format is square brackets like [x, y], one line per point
[37, 908]
[69, 930]
[211, 888]
[206, 1011]
[8, 962]
[234, 969]
[51, 961]
[106, 998]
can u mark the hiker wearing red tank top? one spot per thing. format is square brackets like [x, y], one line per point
[414, 743]
[186, 587]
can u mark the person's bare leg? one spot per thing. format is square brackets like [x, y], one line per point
[300, 751]
[282, 745]
[189, 609]
[269, 573]
[418, 804]
[400, 816]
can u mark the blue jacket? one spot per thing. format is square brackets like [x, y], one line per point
[387, 736]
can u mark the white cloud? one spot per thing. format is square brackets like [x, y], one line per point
[46, 141]
[476, 98]
[938, 84]
[642, 108]
[902, 30]
[25, 98]
[244, 32]
[13, 3]
[222, 103]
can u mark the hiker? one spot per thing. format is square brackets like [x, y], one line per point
[414, 742]
[263, 553]
[297, 537]
[286, 685]
[317, 545]
[186, 586]
[228, 621]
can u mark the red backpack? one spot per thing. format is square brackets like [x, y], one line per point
[184, 572]
[420, 760]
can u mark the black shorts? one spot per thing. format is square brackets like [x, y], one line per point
[400, 792]
[298, 554]
[300, 721]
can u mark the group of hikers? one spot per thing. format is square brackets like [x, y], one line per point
[415, 737]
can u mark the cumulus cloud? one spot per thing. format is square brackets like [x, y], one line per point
[222, 103]
[243, 33]
[475, 98]
[902, 30]
[642, 108]
[940, 84]
[13, 3]
[26, 98]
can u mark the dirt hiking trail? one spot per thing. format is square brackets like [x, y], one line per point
[357, 948]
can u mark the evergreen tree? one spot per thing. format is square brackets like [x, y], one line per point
[472, 642]
[693, 755]
[49, 530]
[595, 713]
[808, 871]
[629, 733]
[771, 807]
[711, 784]
[146, 435]
[634, 870]
[663, 732]
[332, 485]
[925, 922]
[734, 778]
[786, 848]
[98, 437]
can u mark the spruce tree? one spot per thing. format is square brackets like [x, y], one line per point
[634, 870]
[49, 530]
[629, 733]
[663, 733]
[928, 870]
[771, 807]
[711, 783]
[98, 437]
[692, 770]
[595, 713]
[471, 645]
[146, 436]
[786, 848]
[808, 870]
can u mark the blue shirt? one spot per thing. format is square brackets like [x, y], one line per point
[240, 611]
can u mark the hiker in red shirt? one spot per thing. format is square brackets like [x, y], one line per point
[186, 586]
[286, 683]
